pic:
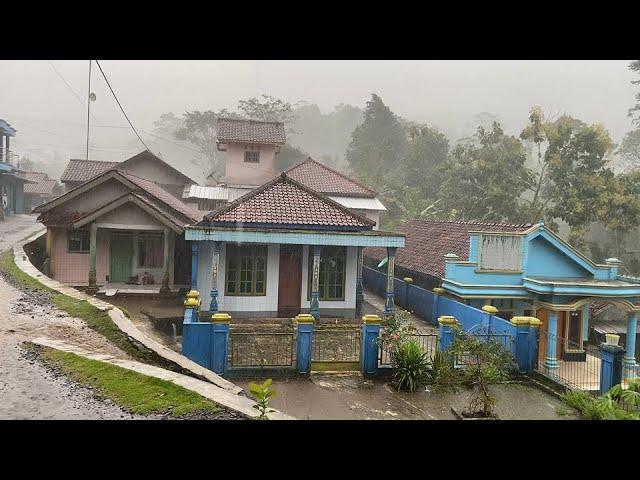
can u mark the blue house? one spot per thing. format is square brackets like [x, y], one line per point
[521, 270]
[11, 180]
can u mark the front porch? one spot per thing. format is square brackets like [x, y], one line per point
[279, 275]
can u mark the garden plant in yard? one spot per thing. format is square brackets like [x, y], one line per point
[262, 394]
[618, 403]
[486, 362]
[411, 366]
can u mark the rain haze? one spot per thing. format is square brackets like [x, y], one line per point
[45, 100]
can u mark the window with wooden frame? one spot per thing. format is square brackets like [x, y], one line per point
[150, 250]
[78, 241]
[246, 270]
[331, 284]
[252, 154]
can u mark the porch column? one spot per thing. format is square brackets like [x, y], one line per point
[551, 361]
[194, 265]
[7, 151]
[315, 282]
[93, 230]
[391, 255]
[213, 307]
[629, 359]
[165, 262]
[359, 286]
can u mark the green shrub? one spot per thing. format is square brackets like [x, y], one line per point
[605, 407]
[411, 366]
[442, 376]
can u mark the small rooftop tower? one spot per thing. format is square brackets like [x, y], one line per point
[252, 147]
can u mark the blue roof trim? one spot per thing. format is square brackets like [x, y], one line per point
[349, 239]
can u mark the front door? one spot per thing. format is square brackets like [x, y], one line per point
[121, 257]
[290, 281]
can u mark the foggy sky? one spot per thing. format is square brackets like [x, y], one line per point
[447, 94]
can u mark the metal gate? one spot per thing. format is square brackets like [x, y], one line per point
[336, 349]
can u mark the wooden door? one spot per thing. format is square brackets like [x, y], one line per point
[290, 280]
[121, 256]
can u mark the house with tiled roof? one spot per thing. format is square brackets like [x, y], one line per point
[282, 249]
[40, 189]
[118, 232]
[145, 165]
[521, 270]
[252, 149]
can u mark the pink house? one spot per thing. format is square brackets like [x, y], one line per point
[118, 229]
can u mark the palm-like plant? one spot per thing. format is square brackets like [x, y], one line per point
[411, 366]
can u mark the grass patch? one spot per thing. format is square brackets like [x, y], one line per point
[95, 319]
[133, 391]
[21, 280]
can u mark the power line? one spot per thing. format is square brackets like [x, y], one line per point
[118, 102]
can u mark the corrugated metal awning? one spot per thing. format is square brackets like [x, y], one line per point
[359, 203]
[206, 192]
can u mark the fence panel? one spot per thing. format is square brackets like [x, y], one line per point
[578, 368]
[506, 341]
[428, 343]
[264, 349]
[420, 301]
[336, 345]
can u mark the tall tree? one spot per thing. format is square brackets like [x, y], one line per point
[578, 157]
[378, 145]
[634, 112]
[629, 150]
[485, 176]
[426, 157]
[268, 109]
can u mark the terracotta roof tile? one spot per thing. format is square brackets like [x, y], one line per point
[325, 180]
[158, 192]
[284, 201]
[427, 242]
[44, 187]
[82, 170]
[233, 130]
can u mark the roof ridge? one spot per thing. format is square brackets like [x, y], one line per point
[326, 167]
[473, 222]
[249, 120]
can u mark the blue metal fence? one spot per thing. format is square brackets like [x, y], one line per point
[430, 306]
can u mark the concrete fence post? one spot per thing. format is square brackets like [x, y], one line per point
[534, 337]
[447, 334]
[522, 343]
[220, 342]
[196, 336]
[610, 366]
[370, 347]
[435, 313]
[304, 342]
[490, 310]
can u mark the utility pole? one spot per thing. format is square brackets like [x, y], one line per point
[88, 108]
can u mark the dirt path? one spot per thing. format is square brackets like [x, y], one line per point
[27, 389]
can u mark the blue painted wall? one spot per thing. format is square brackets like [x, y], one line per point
[545, 260]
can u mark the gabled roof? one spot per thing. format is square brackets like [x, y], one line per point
[428, 241]
[152, 191]
[80, 170]
[253, 131]
[147, 153]
[286, 202]
[325, 180]
[35, 176]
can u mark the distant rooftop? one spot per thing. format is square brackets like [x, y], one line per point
[326, 180]
[428, 241]
[253, 131]
[6, 129]
[80, 170]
